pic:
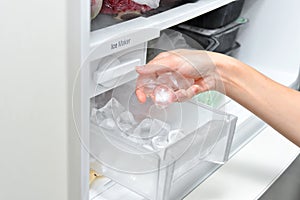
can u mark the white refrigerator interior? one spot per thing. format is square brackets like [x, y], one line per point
[263, 46]
[53, 73]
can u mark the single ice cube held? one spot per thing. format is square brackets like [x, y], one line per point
[162, 96]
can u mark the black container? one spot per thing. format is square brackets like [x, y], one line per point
[219, 17]
[226, 39]
[208, 43]
[233, 49]
[224, 36]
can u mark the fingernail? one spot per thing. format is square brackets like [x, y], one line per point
[139, 68]
[196, 89]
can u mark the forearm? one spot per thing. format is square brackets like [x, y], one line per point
[277, 105]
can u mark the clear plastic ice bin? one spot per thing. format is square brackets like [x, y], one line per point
[159, 174]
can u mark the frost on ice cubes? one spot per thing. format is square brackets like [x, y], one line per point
[126, 121]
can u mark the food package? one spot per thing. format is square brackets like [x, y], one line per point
[96, 6]
[124, 9]
[150, 3]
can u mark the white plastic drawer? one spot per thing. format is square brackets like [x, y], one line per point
[157, 175]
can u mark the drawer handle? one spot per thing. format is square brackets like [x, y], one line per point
[115, 72]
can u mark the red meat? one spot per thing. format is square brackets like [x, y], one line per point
[122, 6]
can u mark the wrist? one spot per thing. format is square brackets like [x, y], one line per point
[229, 73]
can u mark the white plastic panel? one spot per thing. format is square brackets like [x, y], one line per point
[271, 41]
[116, 69]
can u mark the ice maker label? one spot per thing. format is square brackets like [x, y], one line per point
[120, 43]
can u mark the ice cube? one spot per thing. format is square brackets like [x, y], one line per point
[149, 128]
[93, 115]
[147, 83]
[143, 129]
[126, 121]
[175, 135]
[108, 124]
[112, 109]
[162, 96]
[98, 115]
[168, 79]
[116, 107]
[160, 142]
[159, 127]
[148, 146]
[175, 81]
[161, 130]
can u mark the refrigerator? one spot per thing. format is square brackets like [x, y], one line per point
[63, 55]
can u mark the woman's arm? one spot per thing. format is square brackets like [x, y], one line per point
[277, 105]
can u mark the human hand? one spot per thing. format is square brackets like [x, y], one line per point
[187, 64]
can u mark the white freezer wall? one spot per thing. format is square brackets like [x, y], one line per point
[271, 40]
[36, 133]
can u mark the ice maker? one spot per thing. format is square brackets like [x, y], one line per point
[135, 165]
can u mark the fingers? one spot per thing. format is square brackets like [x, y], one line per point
[141, 96]
[162, 63]
[183, 95]
[153, 69]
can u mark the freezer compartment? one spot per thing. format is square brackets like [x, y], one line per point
[110, 12]
[219, 17]
[155, 171]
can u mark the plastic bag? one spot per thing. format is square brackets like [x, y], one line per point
[170, 40]
[123, 6]
[150, 3]
[96, 6]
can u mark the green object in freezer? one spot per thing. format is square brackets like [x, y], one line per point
[210, 98]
